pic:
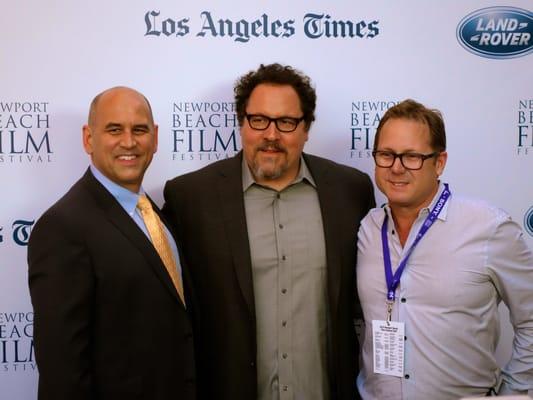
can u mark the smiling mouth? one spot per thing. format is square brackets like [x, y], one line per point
[127, 157]
[271, 149]
[398, 184]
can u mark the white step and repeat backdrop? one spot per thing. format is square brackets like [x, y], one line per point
[466, 58]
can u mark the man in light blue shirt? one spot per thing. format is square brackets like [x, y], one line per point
[432, 268]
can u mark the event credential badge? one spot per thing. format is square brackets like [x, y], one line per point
[388, 340]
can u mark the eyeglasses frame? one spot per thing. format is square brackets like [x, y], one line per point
[423, 157]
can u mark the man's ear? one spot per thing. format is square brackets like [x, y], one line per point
[441, 162]
[87, 138]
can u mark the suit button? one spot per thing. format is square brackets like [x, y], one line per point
[252, 364]
[406, 376]
[188, 336]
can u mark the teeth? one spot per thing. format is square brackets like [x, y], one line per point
[127, 158]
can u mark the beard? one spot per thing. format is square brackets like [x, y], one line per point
[269, 167]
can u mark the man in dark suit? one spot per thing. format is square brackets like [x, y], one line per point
[270, 239]
[110, 319]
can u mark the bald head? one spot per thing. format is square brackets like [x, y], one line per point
[93, 109]
[121, 136]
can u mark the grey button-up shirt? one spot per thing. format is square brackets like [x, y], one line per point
[289, 276]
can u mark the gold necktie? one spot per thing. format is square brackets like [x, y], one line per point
[160, 242]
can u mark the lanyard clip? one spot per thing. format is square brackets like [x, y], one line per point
[389, 303]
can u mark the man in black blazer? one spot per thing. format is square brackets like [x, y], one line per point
[270, 237]
[109, 322]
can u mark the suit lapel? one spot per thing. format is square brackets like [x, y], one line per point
[326, 197]
[232, 200]
[125, 224]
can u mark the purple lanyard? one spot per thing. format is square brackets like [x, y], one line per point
[394, 280]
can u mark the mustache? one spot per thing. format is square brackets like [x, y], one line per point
[270, 146]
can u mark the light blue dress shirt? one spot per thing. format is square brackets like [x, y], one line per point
[128, 200]
[473, 257]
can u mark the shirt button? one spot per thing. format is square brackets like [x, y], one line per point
[405, 338]
[280, 226]
[285, 388]
[403, 300]
[406, 376]
[284, 355]
[283, 258]
[278, 195]
[283, 291]
[283, 323]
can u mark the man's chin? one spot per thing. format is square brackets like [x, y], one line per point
[268, 173]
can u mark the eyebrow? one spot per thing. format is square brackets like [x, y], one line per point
[394, 151]
[267, 116]
[113, 125]
[142, 126]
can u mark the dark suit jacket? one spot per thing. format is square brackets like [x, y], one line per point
[207, 208]
[109, 323]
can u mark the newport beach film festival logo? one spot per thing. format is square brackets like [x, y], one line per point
[365, 117]
[497, 32]
[315, 26]
[24, 135]
[204, 130]
[525, 127]
[17, 352]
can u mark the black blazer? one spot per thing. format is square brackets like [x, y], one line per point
[207, 209]
[109, 323]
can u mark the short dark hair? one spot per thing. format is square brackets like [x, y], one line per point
[276, 74]
[410, 109]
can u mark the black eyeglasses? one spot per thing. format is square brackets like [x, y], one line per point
[283, 124]
[412, 161]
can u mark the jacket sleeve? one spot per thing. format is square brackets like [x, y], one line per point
[61, 287]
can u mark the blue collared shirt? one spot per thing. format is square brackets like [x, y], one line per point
[128, 200]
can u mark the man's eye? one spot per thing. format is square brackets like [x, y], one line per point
[287, 121]
[411, 156]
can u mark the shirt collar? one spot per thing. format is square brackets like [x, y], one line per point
[303, 173]
[127, 199]
[425, 211]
